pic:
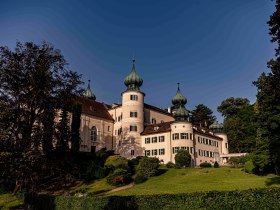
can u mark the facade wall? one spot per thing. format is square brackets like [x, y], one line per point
[153, 117]
[95, 134]
[159, 142]
[224, 143]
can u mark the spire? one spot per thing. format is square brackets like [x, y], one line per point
[179, 98]
[133, 81]
[88, 93]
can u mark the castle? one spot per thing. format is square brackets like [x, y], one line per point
[134, 128]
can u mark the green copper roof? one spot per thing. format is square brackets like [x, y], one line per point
[217, 127]
[181, 113]
[88, 93]
[133, 81]
[179, 98]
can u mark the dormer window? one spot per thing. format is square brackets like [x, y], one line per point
[154, 121]
[156, 128]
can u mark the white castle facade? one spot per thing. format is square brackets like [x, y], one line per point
[134, 128]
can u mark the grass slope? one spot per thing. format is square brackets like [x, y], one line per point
[196, 179]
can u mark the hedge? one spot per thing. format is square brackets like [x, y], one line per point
[266, 198]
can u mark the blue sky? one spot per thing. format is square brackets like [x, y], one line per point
[214, 48]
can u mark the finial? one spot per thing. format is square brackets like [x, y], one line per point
[133, 57]
[178, 83]
[89, 81]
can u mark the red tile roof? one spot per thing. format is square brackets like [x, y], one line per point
[205, 132]
[94, 108]
[157, 128]
[148, 106]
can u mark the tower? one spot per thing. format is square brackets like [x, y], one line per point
[218, 130]
[132, 115]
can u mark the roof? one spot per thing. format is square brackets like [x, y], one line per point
[94, 108]
[157, 128]
[205, 132]
[156, 109]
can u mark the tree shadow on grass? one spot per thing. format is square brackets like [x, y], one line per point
[273, 181]
[161, 171]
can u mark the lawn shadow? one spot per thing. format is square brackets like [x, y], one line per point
[273, 181]
[161, 171]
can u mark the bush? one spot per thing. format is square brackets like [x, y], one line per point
[115, 162]
[148, 166]
[170, 165]
[266, 198]
[216, 165]
[249, 167]
[119, 177]
[183, 158]
[205, 165]
[140, 178]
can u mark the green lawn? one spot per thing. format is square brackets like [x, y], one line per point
[196, 179]
[8, 200]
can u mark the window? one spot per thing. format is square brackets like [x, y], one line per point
[203, 140]
[154, 139]
[199, 152]
[93, 133]
[133, 114]
[161, 151]
[108, 128]
[154, 152]
[191, 136]
[132, 152]
[119, 131]
[191, 150]
[198, 140]
[184, 148]
[147, 141]
[154, 121]
[226, 145]
[184, 136]
[210, 142]
[119, 118]
[206, 141]
[134, 97]
[161, 139]
[175, 149]
[217, 144]
[133, 128]
[175, 136]
[147, 153]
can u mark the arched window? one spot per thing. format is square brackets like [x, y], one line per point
[93, 133]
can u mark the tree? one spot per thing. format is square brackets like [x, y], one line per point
[148, 166]
[183, 158]
[34, 84]
[268, 102]
[202, 116]
[231, 106]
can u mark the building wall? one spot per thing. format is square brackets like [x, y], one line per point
[149, 146]
[103, 137]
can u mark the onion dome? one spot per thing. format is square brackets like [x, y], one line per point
[217, 127]
[88, 93]
[179, 98]
[133, 81]
[181, 113]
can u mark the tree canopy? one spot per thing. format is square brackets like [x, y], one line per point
[202, 116]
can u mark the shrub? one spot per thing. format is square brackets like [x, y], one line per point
[115, 162]
[216, 164]
[140, 178]
[119, 177]
[148, 166]
[234, 161]
[244, 158]
[205, 165]
[183, 158]
[170, 165]
[249, 167]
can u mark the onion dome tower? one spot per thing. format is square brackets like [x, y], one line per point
[181, 114]
[133, 81]
[216, 127]
[178, 99]
[132, 113]
[88, 93]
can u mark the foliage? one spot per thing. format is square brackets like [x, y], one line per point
[119, 177]
[234, 161]
[148, 166]
[202, 116]
[115, 162]
[216, 165]
[205, 165]
[249, 167]
[183, 158]
[75, 126]
[246, 199]
[133, 163]
[140, 178]
[34, 82]
[268, 102]
[170, 165]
